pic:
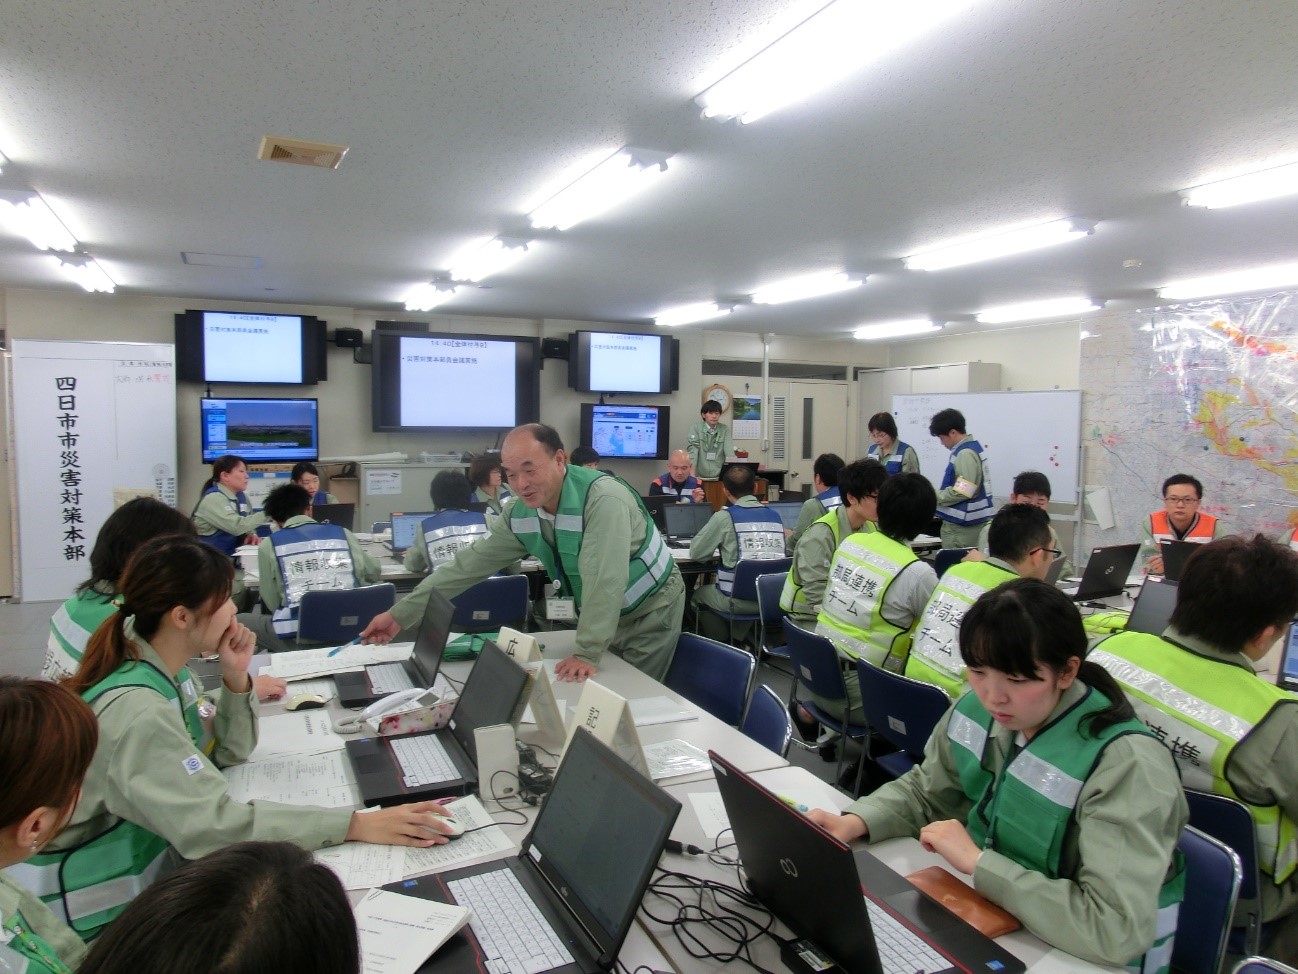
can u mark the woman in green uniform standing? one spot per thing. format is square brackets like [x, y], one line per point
[47, 740]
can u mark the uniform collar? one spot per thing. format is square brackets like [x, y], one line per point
[1070, 698]
[1002, 565]
[10, 901]
[297, 520]
[1207, 650]
[147, 653]
[748, 500]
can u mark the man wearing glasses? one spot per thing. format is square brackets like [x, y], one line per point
[1019, 545]
[1180, 520]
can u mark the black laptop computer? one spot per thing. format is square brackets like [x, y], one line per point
[342, 515]
[1106, 572]
[1153, 607]
[581, 874]
[1174, 555]
[360, 689]
[682, 521]
[814, 884]
[655, 503]
[1287, 677]
[407, 530]
[441, 763]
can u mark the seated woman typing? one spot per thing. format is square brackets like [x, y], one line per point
[1043, 785]
[152, 786]
[47, 740]
[249, 908]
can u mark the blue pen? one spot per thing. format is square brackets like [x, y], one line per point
[339, 649]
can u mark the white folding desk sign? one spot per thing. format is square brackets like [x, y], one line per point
[606, 715]
[519, 646]
[538, 697]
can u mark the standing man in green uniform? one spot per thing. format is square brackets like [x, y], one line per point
[598, 546]
[709, 442]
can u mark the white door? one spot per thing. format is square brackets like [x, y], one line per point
[814, 418]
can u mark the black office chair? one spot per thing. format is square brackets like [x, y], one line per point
[819, 670]
[903, 711]
[767, 721]
[745, 587]
[1229, 821]
[770, 634]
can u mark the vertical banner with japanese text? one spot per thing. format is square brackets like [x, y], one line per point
[94, 423]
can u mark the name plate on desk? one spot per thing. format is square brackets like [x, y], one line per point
[606, 715]
[519, 646]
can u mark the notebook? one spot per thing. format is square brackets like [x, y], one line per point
[342, 515]
[407, 530]
[681, 522]
[1174, 555]
[1288, 675]
[1153, 607]
[420, 670]
[1106, 573]
[599, 811]
[814, 884]
[441, 763]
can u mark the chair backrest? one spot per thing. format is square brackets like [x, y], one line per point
[500, 600]
[1229, 821]
[815, 662]
[769, 589]
[767, 721]
[1212, 878]
[947, 557]
[747, 571]
[903, 710]
[1261, 965]
[339, 615]
[713, 675]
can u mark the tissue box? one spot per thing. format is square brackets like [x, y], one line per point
[414, 718]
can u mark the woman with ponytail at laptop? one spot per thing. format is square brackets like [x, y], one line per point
[47, 739]
[1044, 787]
[155, 785]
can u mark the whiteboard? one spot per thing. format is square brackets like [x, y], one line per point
[88, 418]
[1020, 431]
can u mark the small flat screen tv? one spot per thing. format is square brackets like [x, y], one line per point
[426, 381]
[607, 361]
[626, 432]
[250, 348]
[261, 430]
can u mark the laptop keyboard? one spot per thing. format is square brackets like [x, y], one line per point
[515, 937]
[388, 677]
[423, 761]
[901, 951]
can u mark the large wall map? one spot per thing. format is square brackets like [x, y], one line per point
[1207, 389]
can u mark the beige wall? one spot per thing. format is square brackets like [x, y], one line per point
[1037, 357]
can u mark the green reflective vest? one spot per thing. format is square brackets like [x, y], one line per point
[851, 615]
[1025, 812]
[1202, 709]
[26, 953]
[90, 885]
[935, 651]
[70, 630]
[792, 599]
[650, 565]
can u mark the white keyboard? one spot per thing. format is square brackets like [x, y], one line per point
[423, 761]
[901, 951]
[515, 937]
[388, 677]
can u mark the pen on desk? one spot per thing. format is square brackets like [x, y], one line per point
[797, 806]
[338, 649]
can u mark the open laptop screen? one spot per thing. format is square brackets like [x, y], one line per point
[430, 640]
[685, 520]
[788, 511]
[599, 835]
[1154, 605]
[1289, 659]
[405, 529]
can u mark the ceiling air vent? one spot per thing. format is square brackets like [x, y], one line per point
[320, 155]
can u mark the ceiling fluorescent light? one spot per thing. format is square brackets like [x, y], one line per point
[1036, 310]
[1255, 279]
[25, 213]
[624, 174]
[806, 286]
[840, 39]
[85, 271]
[1249, 188]
[896, 329]
[999, 243]
[426, 297]
[496, 255]
[687, 314]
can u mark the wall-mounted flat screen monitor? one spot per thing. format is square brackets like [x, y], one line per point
[426, 381]
[626, 432]
[608, 361]
[250, 348]
[261, 430]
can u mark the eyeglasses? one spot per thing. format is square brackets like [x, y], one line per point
[1180, 501]
[1053, 552]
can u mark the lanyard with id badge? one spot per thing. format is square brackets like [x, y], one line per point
[559, 608]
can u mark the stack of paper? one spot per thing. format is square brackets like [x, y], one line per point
[304, 664]
[321, 779]
[398, 933]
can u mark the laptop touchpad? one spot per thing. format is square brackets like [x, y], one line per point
[922, 911]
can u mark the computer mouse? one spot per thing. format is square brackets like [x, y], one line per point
[454, 827]
[305, 701]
